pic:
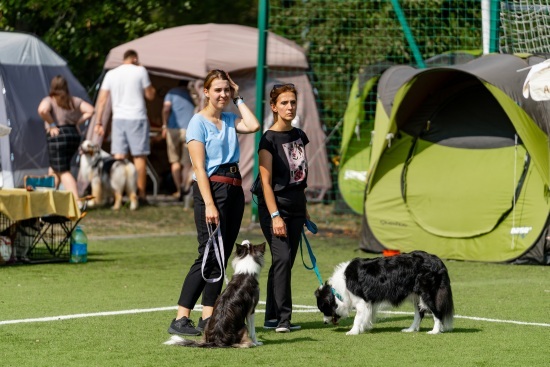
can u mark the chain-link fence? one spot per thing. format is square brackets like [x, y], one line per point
[351, 42]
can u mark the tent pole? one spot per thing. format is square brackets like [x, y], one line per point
[263, 9]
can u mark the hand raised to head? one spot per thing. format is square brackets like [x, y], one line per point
[233, 85]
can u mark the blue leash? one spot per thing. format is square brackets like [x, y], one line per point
[313, 229]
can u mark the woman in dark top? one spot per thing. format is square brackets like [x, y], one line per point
[62, 113]
[282, 207]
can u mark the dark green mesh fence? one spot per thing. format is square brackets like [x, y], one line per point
[342, 39]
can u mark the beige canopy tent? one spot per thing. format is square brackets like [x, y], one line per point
[190, 52]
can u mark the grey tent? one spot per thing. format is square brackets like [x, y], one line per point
[191, 51]
[27, 66]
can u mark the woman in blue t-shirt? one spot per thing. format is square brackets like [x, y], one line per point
[217, 192]
[282, 207]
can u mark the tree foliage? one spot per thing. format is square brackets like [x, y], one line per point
[84, 31]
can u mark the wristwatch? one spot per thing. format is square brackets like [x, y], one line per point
[236, 99]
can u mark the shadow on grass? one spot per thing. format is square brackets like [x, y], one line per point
[345, 326]
[290, 339]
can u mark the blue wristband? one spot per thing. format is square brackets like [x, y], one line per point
[275, 214]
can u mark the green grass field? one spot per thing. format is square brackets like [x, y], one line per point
[115, 309]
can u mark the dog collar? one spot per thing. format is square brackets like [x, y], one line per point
[336, 294]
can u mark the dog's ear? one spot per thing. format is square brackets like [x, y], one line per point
[240, 250]
[317, 292]
[261, 247]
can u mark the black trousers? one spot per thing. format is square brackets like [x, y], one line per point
[283, 254]
[229, 201]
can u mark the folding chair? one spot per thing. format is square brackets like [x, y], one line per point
[53, 231]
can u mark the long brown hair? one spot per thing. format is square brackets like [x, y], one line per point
[59, 90]
[277, 90]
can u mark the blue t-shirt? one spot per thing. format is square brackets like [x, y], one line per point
[221, 146]
[182, 108]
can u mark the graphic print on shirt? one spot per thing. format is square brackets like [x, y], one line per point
[296, 156]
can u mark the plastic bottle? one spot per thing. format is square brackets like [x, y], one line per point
[79, 246]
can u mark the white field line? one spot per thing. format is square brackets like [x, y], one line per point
[296, 309]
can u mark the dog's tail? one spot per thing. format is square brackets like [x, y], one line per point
[444, 301]
[178, 340]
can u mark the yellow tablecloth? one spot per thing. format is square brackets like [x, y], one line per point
[20, 204]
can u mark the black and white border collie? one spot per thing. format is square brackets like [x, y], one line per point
[237, 304]
[367, 284]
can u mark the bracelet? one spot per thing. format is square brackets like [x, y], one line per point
[52, 125]
[236, 99]
[275, 214]
[239, 101]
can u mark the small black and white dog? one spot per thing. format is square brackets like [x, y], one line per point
[109, 177]
[367, 284]
[237, 304]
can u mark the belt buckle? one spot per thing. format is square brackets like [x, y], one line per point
[233, 169]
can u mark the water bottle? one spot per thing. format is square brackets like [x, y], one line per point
[79, 246]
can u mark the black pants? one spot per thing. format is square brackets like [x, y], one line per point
[283, 253]
[229, 201]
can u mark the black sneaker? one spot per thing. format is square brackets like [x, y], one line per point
[283, 327]
[183, 326]
[202, 323]
[272, 324]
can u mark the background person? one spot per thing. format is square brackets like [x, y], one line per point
[177, 110]
[282, 208]
[128, 85]
[62, 113]
[217, 192]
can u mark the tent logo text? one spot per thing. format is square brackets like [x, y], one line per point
[392, 223]
[522, 231]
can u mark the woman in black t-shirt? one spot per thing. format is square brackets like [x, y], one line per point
[282, 207]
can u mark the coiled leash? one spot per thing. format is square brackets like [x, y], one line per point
[313, 229]
[217, 244]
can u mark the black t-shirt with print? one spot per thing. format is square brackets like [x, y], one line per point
[289, 170]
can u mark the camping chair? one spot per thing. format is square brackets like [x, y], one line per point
[53, 231]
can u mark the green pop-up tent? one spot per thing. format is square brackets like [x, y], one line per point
[459, 164]
[358, 123]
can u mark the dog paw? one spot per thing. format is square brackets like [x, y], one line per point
[409, 330]
[257, 343]
[353, 332]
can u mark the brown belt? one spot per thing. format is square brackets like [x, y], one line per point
[227, 180]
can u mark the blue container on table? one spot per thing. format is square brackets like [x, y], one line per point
[79, 246]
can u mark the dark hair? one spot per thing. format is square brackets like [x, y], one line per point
[129, 53]
[59, 90]
[279, 89]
